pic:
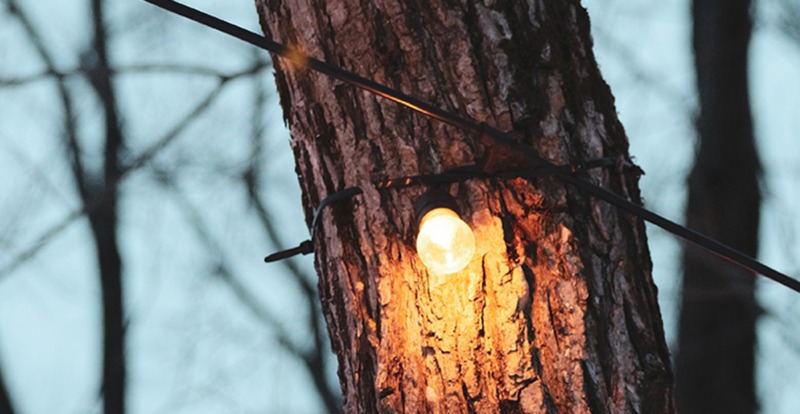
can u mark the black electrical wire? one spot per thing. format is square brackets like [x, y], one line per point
[317, 65]
[464, 173]
[458, 174]
[485, 130]
[307, 246]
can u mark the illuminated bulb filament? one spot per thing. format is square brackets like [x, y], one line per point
[445, 243]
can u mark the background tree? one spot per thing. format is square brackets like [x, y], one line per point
[97, 191]
[715, 363]
[106, 155]
[557, 312]
[210, 329]
[5, 400]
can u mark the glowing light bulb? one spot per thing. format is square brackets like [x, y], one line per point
[445, 243]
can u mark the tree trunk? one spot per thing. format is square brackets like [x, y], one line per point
[5, 399]
[103, 218]
[718, 315]
[557, 311]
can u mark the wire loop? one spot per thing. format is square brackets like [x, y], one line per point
[458, 174]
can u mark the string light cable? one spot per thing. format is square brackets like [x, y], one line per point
[455, 175]
[501, 147]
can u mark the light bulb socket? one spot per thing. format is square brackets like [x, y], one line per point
[434, 199]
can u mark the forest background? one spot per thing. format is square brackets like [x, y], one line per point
[209, 189]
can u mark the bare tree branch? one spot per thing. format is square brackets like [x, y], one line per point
[141, 160]
[312, 358]
[27, 79]
[170, 68]
[252, 180]
[71, 132]
[69, 120]
[40, 242]
[36, 172]
[789, 20]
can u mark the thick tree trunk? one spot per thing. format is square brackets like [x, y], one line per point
[718, 315]
[557, 311]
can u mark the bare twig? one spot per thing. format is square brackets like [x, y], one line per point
[315, 360]
[312, 358]
[140, 161]
[70, 128]
[170, 68]
[789, 20]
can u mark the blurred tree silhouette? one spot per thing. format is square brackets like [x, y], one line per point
[201, 192]
[646, 81]
[104, 149]
[715, 362]
[5, 399]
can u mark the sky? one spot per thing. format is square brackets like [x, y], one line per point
[192, 346]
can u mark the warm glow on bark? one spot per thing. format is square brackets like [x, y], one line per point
[298, 56]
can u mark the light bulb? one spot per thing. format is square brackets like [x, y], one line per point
[444, 243]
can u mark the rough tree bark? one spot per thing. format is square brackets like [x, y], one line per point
[557, 311]
[718, 315]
